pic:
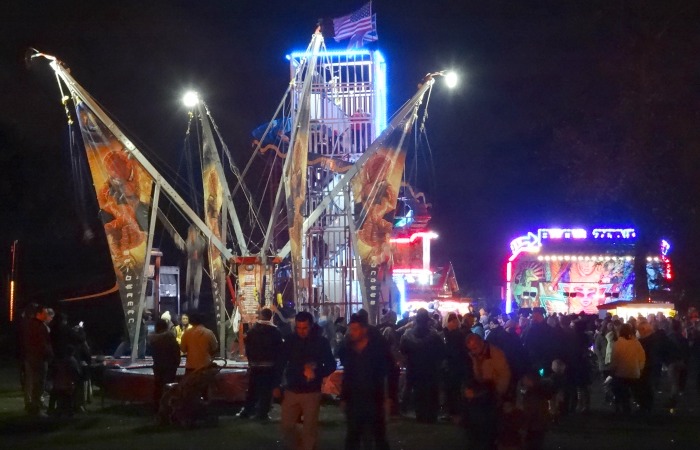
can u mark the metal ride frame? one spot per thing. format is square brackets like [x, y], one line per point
[348, 112]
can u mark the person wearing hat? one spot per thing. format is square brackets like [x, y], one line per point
[168, 319]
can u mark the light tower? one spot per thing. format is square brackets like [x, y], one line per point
[348, 111]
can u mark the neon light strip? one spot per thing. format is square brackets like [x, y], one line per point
[380, 91]
[401, 287]
[421, 234]
[301, 54]
[12, 300]
[562, 233]
[584, 258]
[509, 277]
[412, 271]
[614, 233]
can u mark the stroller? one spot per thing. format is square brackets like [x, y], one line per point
[182, 403]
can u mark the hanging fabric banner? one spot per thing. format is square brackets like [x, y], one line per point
[212, 176]
[295, 176]
[125, 194]
[375, 191]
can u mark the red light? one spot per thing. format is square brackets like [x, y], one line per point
[413, 237]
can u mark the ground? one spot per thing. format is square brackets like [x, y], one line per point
[117, 426]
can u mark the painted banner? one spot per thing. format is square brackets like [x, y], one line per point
[375, 191]
[295, 186]
[249, 289]
[572, 286]
[124, 193]
[295, 176]
[212, 177]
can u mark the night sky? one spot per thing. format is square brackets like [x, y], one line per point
[569, 114]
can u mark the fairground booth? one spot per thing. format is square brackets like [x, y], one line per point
[570, 270]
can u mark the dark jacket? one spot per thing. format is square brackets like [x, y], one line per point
[516, 356]
[541, 345]
[364, 373]
[165, 352]
[263, 345]
[424, 350]
[458, 362]
[297, 352]
[36, 341]
[679, 347]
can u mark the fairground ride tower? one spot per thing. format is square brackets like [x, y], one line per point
[348, 111]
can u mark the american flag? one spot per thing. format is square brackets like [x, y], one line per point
[358, 24]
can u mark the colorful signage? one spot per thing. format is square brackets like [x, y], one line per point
[571, 283]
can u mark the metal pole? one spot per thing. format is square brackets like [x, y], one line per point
[144, 274]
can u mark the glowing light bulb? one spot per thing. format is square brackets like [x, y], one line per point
[190, 99]
[451, 79]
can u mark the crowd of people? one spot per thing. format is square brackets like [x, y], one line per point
[54, 363]
[505, 378]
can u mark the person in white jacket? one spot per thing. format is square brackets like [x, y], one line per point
[626, 364]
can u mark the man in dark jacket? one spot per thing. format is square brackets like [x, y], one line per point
[365, 370]
[263, 345]
[305, 361]
[166, 359]
[540, 343]
[512, 348]
[424, 350]
[36, 348]
[458, 365]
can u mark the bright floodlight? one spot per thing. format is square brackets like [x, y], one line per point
[451, 79]
[190, 99]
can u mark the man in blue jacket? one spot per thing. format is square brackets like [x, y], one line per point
[306, 360]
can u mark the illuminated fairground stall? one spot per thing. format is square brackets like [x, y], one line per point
[419, 285]
[574, 270]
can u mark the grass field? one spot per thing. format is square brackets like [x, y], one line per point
[130, 426]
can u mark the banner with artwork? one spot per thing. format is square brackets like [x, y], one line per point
[296, 167]
[572, 286]
[375, 191]
[213, 179]
[125, 194]
[250, 288]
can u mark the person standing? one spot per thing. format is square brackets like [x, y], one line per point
[424, 350]
[37, 352]
[458, 364]
[627, 363]
[199, 344]
[540, 342]
[645, 389]
[512, 348]
[305, 361]
[166, 359]
[678, 359]
[486, 392]
[263, 345]
[180, 329]
[363, 356]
